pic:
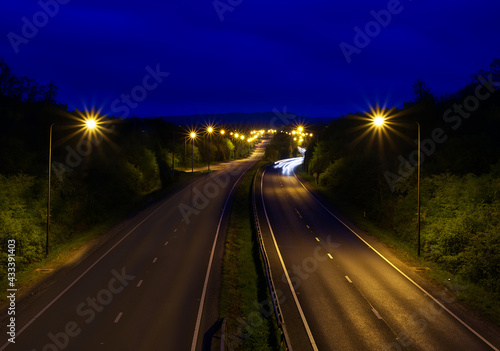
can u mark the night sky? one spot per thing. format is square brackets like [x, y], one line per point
[247, 55]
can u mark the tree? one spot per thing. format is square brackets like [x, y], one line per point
[421, 91]
[495, 68]
[7, 79]
[49, 92]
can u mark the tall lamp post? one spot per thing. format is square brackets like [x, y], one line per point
[89, 124]
[209, 132]
[192, 135]
[379, 121]
[185, 153]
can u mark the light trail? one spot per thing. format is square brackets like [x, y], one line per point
[288, 165]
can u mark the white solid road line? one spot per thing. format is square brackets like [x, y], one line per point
[297, 303]
[155, 259]
[139, 284]
[93, 264]
[349, 280]
[207, 275]
[166, 243]
[401, 272]
[118, 317]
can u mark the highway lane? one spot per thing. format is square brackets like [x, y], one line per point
[147, 287]
[350, 297]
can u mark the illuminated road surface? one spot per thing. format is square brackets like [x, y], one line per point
[339, 294]
[143, 289]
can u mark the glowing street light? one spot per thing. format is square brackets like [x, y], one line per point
[210, 130]
[300, 129]
[379, 121]
[222, 132]
[192, 135]
[89, 123]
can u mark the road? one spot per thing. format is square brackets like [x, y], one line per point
[153, 286]
[338, 292]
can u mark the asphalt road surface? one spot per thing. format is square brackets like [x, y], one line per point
[152, 286]
[339, 293]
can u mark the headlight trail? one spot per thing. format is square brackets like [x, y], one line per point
[288, 165]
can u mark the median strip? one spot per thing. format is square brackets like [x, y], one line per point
[245, 301]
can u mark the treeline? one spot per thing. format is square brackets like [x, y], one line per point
[94, 175]
[280, 147]
[374, 169]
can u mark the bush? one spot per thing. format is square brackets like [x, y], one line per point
[22, 217]
[332, 176]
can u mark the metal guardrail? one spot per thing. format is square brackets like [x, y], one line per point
[285, 341]
[223, 331]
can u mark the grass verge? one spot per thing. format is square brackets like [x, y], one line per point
[243, 279]
[471, 294]
[71, 251]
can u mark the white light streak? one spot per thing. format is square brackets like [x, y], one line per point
[288, 165]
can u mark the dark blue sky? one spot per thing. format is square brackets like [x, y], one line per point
[247, 55]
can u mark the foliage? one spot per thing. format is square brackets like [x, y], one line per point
[131, 160]
[460, 180]
[22, 218]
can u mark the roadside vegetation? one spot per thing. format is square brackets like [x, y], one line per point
[244, 284]
[97, 178]
[371, 175]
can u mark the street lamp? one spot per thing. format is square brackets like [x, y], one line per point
[192, 135]
[379, 121]
[210, 130]
[89, 124]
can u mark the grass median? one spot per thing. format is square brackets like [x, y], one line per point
[244, 286]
